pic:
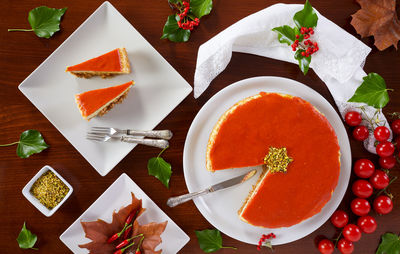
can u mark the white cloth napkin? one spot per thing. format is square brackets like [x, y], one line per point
[338, 62]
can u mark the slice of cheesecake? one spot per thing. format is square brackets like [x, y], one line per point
[106, 65]
[98, 102]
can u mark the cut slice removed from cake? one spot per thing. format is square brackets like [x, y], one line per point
[98, 102]
[106, 65]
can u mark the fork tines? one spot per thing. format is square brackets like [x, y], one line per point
[96, 136]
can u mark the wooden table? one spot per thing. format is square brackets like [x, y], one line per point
[21, 53]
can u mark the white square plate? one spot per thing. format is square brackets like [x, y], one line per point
[158, 88]
[115, 197]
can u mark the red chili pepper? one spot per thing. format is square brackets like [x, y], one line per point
[123, 244]
[113, 238]
[127, 231]
[130, 217]
[118, 252]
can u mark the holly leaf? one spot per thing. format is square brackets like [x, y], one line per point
[30, 142]
[306, 17]
[159, 168]
[378, 18]
[173, 32]
[26, 240]
[304, 62]
[287, 34]
[390, 244]
[201, 8]
[372, 91]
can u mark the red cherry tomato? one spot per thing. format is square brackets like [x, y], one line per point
[381, 133]
[387, 162]
[345, 246]
[360, 133]
[362, 188]
[367, 224]
[383, 204]
[360, 207]
[364, 168]
[352, 232]
[385, 149]
[339, 219]
[326, 246]
[396, 126]
[353, 118]
[379, 179]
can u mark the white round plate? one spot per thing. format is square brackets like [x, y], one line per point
[220, 208]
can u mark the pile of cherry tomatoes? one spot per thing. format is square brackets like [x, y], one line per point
[370, 179]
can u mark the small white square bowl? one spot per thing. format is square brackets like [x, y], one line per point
[26, 192]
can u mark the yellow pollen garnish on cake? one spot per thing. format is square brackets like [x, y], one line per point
[277, 160]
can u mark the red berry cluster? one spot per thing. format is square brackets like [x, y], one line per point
[185, 21]
[265, 238]
[309, 46]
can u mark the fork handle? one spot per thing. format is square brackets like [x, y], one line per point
[164, 134]
[160, 143]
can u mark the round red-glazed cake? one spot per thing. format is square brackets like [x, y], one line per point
[242, 138]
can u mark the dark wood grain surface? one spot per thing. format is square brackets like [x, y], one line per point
[21, 53]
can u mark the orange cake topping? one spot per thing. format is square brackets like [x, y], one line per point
[106, 65]
[107, 62]
[297, 143]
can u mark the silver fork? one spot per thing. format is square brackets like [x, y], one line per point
[160, 143]
[164, 134]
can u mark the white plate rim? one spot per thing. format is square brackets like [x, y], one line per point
[345, 161]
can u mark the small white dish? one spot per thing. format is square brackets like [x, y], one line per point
[115, 197]
[26, 192]
[220, 208]
[158, 88]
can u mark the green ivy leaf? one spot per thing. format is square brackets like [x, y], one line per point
[372, 91]
[44, 21]
[287, 35]
[159, 168]
[201, 8]
[210, 240]
[306, 17]
[390, 244]
[304, 62]
[172, 31]
[30, 142]
[26, 240]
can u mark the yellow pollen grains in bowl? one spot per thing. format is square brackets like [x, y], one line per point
[49, 189]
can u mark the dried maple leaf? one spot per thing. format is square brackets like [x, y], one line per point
[378, 18]
[99, 231]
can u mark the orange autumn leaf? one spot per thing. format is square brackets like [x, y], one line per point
[378, 18]
[100, 231]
